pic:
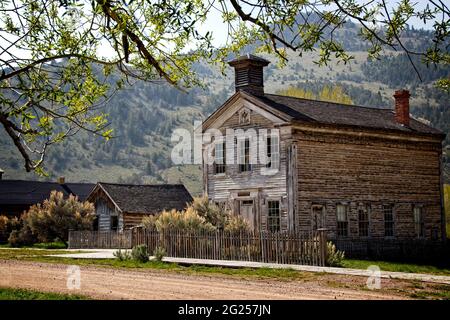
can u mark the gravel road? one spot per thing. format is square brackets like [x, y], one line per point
[109, 283]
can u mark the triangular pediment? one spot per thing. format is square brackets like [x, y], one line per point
[242, 109]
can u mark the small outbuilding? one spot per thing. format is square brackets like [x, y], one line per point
[122, 206]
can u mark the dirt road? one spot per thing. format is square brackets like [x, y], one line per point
[108, 283]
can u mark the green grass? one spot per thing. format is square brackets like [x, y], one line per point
[25, 294]
[396, 266]
[30, 254]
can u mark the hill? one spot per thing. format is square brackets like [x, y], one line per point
[144, 115]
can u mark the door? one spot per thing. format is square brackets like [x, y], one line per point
[317, 217]
[247, 211]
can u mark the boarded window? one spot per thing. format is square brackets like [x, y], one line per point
[273, 217]
[388, 213]
[114, 222]
[219, 161]
[244, 155]
[273, 152]
[363, 222]
[342, 221]
[419, 224]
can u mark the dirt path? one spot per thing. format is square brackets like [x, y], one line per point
[108, 283]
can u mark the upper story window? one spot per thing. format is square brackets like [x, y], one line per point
[244, 155]
[363, 221]
[273, 216]
[273, 152]
[388, 213]
[342, 221]
[419, 224]
[219, 160]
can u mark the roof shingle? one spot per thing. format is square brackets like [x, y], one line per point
[147, 198]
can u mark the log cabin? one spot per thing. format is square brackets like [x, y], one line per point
[361, 173]
[122, 206]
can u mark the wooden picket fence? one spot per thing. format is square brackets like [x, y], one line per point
[279, 247]
[100, 240]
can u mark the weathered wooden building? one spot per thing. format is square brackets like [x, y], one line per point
[122, 206]
[362, 173]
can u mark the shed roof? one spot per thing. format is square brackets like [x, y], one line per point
[23, 192]
[149, 198]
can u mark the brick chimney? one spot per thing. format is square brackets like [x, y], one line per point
[248, 72]
[61, 180]
[402, 107]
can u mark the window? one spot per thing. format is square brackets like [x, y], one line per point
[219, 162]
[342, 223]
[95, 222]
[244, 155]
[419, 224]
[273, 152]
[244, 117]
[317, 216]
[388, 212]
[273, 217]
[114, 222]
[363, 222]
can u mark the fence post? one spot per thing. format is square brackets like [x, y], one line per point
[323, 245]
[69, 238]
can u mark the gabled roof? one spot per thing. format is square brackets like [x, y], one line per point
[22, 192]
[321, 112]
[149, 198]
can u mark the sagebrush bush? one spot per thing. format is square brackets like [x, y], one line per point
[22, 237]
[7, 225]
[140, 253]
[201, 215]
[334, 257]
[159, 253]
[122, 255]
[57, 215]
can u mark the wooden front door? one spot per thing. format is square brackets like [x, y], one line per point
[247, 211]
[317, 217]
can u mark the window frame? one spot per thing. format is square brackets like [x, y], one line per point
[340, 224]
[365, 210]
[273, 151]
[222, 165]
[271, 217]
[419, 225]
[112, 219]
[245, 149]
[384, 208]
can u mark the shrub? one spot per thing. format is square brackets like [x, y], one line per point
[209, 211]
[22, 237]
[159, 253]
[187, 220]
[334, 257]
[149, 221]
[7, 225]
[140, 253]
[122, 255]
[57, 215]
[235, 223]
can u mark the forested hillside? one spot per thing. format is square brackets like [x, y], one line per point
[144, 115]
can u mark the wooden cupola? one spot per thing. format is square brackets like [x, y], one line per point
[249, 76]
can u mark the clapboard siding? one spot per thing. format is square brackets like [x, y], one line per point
[334, 168]
[226, 187]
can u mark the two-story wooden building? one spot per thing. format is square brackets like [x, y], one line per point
[362, 173]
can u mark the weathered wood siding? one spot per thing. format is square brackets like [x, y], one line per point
[359, 171]
[104, 210]
[227, 187]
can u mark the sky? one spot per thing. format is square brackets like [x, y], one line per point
[219, 29]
